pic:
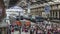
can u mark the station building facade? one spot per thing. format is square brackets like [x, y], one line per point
[39, 10]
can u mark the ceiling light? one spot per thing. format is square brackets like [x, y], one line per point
[33, 0]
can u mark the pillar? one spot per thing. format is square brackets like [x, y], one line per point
[2, 10]
[50, 13]
[54, 14]
[3, 31]
[58, 14]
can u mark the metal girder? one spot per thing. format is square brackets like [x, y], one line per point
[13, 2]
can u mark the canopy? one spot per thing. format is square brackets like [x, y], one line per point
[15, 8]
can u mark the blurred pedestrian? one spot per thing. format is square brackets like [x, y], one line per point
[26, 30]
[39, 31]
[0, 31]
[12, 30]
[19, 24]
[32, 30]
[23, 27]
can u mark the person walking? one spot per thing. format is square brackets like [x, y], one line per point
[26, 30]
[31, 30]
[0, 31]
[19, 24]
[38, 32]
[12, 30]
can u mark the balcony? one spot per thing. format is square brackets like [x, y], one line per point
[42, 9]
[58, 7]
[54, 8]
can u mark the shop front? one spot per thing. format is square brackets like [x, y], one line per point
[3, 30]
[3, 27]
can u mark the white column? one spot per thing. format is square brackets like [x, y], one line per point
[58, 14]
[8, 3]
[54, 14]
[49, 14]
[29, 7]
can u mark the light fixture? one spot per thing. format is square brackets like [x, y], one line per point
[56, 0]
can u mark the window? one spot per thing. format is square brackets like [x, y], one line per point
[51, 7]
[38, 9]
[53, 13]
[59, 6]
[55, 6]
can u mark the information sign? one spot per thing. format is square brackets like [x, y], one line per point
[47, 9]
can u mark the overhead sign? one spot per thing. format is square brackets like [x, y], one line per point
[47, 9]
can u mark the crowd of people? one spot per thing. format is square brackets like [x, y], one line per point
[38, 28]
[44, 28]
